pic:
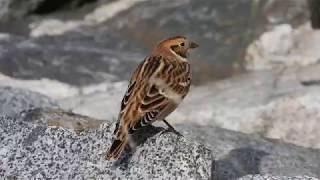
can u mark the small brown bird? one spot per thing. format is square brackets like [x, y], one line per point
[156, 88]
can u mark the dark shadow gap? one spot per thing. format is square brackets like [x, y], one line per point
[51, 6]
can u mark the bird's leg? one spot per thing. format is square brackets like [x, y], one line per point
[171, 128]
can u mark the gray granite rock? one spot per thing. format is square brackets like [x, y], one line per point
[272, 177]
[13, 9]
[30, 150]
[78, 61]
[89, 53]
[237, 154]
[284, 46]
[14, 100]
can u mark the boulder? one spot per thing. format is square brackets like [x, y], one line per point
[237, 154]
[15, 100]
[31, 150]
[14, 9]
[119, 34]
[53, 143]
[76, 61]
[272, 177]
[277, 104]
[34, 150]
[284, 46]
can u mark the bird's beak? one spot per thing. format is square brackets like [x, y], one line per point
[193, 45]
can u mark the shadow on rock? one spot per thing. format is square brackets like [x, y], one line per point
[239, 162]
[139, 138]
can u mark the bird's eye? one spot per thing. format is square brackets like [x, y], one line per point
[182, 44]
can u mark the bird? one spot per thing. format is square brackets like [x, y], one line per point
[157, 86]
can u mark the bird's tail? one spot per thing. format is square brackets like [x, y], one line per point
[116, 148]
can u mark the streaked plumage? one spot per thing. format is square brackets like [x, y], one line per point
[156, 88]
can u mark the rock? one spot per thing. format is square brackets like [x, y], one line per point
[107, 30]
[35, 151]
[284, 46]
[30, 149]
[60, 118]
[133, 27]
[13, 9]
[53, 27]
[102, 13]
[79, 143]
[294, 119]
[275, 104]
[271, 177]
[103, 104]
[238, 154]
[62, 91]
[52, 88]
[77, 61]
[284, 11]
[14, 100]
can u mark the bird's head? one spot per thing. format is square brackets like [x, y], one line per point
[179, 45]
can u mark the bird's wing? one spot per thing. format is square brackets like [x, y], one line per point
[167, 84]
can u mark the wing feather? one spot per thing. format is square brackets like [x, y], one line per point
[155, 102]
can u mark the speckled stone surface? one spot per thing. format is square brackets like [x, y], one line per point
[238, 154]
[15, 100]
[30, 151]
[270, 177]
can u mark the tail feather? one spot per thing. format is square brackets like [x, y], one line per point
[116, 148]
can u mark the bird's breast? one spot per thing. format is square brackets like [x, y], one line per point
[166, 90]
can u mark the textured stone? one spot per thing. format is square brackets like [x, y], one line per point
[12, 9]
[131, 29]
[52, 88]
[77, 61]
[272, 177]
[35, 151]
[284, 46]
[284, 11]
[14, 100]
[238, 154]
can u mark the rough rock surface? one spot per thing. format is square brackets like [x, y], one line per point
[61, 91]
[284, 11]
[11, 9]
[272, 177]
[74, 61]
[127, 36]
[284, 46]
[29, 148]
[35, 151]
[276, 104]
[101, 104]
[237, 154]
[52, 88]
[14, 100]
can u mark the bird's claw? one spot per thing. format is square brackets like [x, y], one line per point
[172, 130]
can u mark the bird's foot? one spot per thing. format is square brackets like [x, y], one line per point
[171, 129]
